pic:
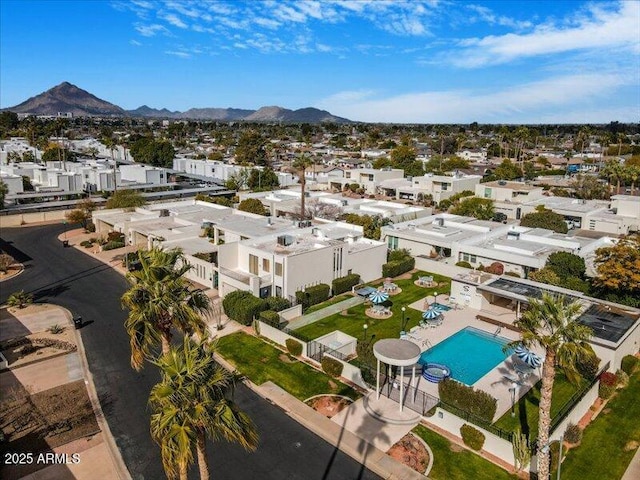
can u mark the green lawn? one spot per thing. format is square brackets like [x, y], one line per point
[262, 362]
[602, 451]
[387, 328]
[450, 464]
[526, 418]
[331, 301]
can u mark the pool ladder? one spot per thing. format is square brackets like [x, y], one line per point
[497, 332]
[427, 343]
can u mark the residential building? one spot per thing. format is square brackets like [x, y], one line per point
[13, 183]
[508, 197]
[473, 155]
[144, 174]
[439, 187]
[368, 179]
[215, 169]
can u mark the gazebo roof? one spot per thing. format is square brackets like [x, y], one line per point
[396, 352]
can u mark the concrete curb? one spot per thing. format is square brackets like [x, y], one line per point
[114, 451]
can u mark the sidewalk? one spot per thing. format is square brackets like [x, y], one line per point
[633, 470]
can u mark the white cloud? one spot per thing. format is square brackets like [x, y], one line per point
[597, 29]
[485, 14]
[150, 30]
[526, 103]
[178, 53]
[135, 43]
[173, 19]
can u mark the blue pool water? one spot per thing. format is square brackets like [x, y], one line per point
[440, 306]
[470, 354]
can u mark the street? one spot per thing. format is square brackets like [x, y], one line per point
[89, 288]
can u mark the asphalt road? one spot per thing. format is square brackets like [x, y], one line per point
[85, 286]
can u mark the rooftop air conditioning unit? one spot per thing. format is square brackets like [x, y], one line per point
[502, 182]
[304, 223]
[284, 240]
[441, 222]
[164, 212]
[344, 203]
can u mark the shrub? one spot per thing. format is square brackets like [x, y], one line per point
[463, 264]
[5, 262]
[588, 367]
[91, 227]
[623, 379]
[472, 437]
[496, 268]
[465, 398]
[270, 317]
[344, 284]
[242, 306]
[331, 366]
[313, 295]
[609, 379]
[629, 364]
[20, 299]
[573, 434]
[112, 245]
[115, 237]
[512, 274]
[398, 267]
[605, 391]
[56, 329]
[277, 304]
[294, 347]
[86, 244]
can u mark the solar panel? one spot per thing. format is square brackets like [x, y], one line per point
[607, 323]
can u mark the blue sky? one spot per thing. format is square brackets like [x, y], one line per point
[422, 61]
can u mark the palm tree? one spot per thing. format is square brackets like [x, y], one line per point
[550, 323]
[300, 165]
[160, 300]
[633, 172]
[192, 401]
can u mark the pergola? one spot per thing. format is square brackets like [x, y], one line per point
[398, 353]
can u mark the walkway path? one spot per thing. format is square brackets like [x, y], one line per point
[633, 470]
[325, 312]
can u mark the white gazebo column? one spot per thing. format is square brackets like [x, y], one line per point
[413, 382]
[518, 310]
[377, 379]
[401, 385]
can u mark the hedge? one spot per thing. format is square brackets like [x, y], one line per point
[463, 264]
[331, 366]
[398, 267]
[629, 364]
[112, 245]
[115, 237]
[270, 317]
[86, 244]
[313, 295]
[277, 304]
[344, 284]
[472, 437]
[465, 398]
[294, 347]
[242, 306]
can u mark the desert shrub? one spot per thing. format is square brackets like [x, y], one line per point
[344, 284]
[86, 244]
[242, 306]
[115, 237]
[398, 267]
[56, 329]
[629, 364]
[465, 398]
[331, 366]
[112, 245]
[294, 347]
[588, 366]
[270, 317]
[472, 437]
[463, 264]
[496, 268]
[512, 274]
[608, 383]
[20, 299]
[573, 434]
[277, 304]
[313, 295]
[5, 262]
[91, 227]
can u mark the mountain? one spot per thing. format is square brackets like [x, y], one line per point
[67, 98]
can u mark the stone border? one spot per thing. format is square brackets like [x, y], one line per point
[429, 451]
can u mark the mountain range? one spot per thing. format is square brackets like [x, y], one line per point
[68, 98]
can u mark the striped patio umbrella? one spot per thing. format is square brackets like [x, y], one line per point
[378, 297]
[431, 314]
[527, 356]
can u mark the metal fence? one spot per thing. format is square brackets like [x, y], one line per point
[316, 351]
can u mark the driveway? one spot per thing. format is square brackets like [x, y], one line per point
[84, 285]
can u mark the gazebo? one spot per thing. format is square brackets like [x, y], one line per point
[398, 353]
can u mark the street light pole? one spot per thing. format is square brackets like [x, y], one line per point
[560, 455]
[435, 297]
[404, 324]
[364, 336]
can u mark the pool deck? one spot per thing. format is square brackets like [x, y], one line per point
[498, 380]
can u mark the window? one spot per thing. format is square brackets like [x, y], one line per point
[347, 175]
[265, 265]
[370, 178]
[278, 269]
[392, 243]
[468, 257]
[278, 291]
[445, 187]
[487, 193]
[253, 264]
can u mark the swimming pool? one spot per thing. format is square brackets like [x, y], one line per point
[470, 354]
[440, 306]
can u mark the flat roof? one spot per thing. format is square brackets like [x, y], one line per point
[608, 323]
[523, 291]
[511, 185]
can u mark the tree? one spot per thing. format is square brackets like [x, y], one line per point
[507, 170]
[4, 189]
[265, 179]
[82, 214]
[371, 225]
[192, 402]
[618, 268]
[404, 157]
[252, 205]
[159, 301]
[159, 153]
[480, 208]
[56, 153]
[566, 265]
[27, 186]
[238, 180]
[589, 187]
[125, 199]
[613, 171]
[251, 148]
[550, 323]
[545, 275]
[300, 166]
[544, 218]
